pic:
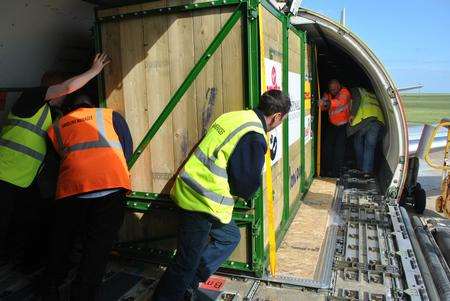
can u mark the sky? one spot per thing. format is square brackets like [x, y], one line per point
[411, 38]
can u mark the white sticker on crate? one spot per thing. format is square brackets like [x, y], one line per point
[294, 114]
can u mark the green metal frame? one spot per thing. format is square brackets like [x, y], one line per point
[249, 213]
[302, 114]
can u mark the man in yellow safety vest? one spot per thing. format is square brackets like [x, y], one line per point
[366, 125]
[226, 164]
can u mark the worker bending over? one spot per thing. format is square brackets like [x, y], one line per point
[366, 125]
[23, 138]
[337, 102]
[93, 145]
[226, 165]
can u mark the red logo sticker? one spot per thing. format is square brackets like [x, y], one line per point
[213, 283]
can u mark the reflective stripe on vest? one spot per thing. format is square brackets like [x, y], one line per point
[205, 192]
[23, 146]
[35, 128]
[101, 142]
[22, 149]
[210, 162]
[91, 154]
[339, 109]
[202, 185]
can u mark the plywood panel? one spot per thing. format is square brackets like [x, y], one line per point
[135, 96]
[181, 53]
[242, 251]
[295, 147]
[232, 65]
[156, 54]
[209, 82]
[113, 72]
[299, 252]
[156, 47]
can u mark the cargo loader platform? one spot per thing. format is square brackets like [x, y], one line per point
[345, 243]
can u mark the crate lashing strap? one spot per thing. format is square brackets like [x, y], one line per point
[268, 160]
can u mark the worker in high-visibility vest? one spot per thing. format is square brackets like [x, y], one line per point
[23, 139]
[93, 145]
[337, 102]
[226, 165]
[366, 125]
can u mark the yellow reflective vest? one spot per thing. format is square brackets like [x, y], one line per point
[369, 108]
[23, 147]
[202, 184]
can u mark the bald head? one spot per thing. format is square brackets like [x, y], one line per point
[334, 87]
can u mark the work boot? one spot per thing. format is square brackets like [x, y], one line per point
[50, 293]
[83, 292]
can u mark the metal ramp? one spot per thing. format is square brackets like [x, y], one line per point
[366, 254]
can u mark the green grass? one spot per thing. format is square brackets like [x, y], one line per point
[426, 107]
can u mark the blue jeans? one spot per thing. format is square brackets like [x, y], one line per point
[365, 142]
[204, 244]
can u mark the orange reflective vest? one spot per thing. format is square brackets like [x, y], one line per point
[91, 155]
[339, 111]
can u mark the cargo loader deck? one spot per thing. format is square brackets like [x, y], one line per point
[345, 243]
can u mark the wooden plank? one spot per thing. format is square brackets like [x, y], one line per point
[181, 56]
[156, 47]
[135, 108]
[299, 252]
[113, 72]
[232, 65]
[295, 172]
[134, 90]
[242, 251]
[209, 82]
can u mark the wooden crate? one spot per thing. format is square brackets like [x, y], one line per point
[152, 55]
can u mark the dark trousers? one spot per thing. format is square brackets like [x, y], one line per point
[335, 148]
[24, 224]
[365, 142]
[204, 244]
[99, 219]
[9, 193]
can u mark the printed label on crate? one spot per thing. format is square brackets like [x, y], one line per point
[308, 128]
[294, 114]
[276, 144]
[274, 76]
[213, 283]
[307, 96]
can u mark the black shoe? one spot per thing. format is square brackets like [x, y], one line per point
[83, 292]
[50, 293]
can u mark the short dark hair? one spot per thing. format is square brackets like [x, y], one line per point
[274, 101]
